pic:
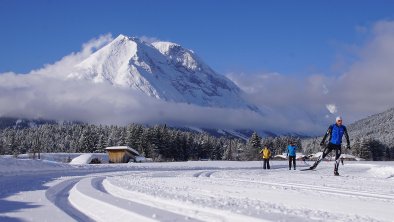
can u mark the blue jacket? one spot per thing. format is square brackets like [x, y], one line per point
[291, 150]
[336, 133]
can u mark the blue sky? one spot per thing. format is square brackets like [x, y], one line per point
[302, 62]
[289, 37]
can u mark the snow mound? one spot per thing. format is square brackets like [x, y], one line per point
[382, 171]
[82, 159]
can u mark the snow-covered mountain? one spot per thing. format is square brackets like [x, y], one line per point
[22, 123]
[379, 127]
[163, 70]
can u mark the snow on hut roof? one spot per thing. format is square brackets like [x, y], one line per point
[123, 148]
[344, 155]
[281, 156]
[82, 159]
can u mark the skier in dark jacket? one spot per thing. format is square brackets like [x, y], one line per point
[291, 153]
[336, 132]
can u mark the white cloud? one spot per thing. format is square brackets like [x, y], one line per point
[332, 108]
[364, 89]
[35, 96]
[67, 63]
[367, 87]
[292, 105]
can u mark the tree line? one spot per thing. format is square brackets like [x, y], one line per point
[158, 142]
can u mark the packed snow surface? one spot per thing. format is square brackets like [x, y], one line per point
[195, 191]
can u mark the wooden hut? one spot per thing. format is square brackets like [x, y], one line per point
[121, 154]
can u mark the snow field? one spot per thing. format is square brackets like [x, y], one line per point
[270, 195]
[190, 211]
[196, 191]
[12, 166]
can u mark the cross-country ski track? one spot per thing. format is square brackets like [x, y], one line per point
[199, 191]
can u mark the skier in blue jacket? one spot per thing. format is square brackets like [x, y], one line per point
[336, 132]
[291, 153]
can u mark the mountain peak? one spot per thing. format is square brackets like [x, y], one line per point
[163, 70]
[122, 37]
[179, 56]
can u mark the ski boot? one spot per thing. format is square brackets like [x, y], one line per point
[336, 173]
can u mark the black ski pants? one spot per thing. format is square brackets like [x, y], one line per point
[330, 147]
[266, 164]
[292, 159]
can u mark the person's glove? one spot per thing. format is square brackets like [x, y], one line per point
[348, 147]
[321, 144]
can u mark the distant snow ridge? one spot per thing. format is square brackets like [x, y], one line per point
[163, 70]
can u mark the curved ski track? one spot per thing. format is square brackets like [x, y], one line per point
[87, 199]
[95, 198]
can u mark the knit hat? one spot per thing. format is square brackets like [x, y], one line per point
[338, 118]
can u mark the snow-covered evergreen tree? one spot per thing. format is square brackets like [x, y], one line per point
[253, 147]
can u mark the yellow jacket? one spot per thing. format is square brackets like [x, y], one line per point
[265, 153]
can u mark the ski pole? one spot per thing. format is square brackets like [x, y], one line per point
[261, 164]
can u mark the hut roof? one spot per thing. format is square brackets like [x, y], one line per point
[281, 157]
[133, 151]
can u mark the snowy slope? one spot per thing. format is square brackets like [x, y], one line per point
[162, 70]
[20, 123]
[379, 126]
[196, 191]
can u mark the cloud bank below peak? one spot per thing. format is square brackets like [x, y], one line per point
[34, 96]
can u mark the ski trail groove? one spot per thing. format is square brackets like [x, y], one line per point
[59, 194]
[88, 196]
[204, 174]
[198, 174]
[209, 174]
[97, 183]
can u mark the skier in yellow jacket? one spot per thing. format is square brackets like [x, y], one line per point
[266, 155]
